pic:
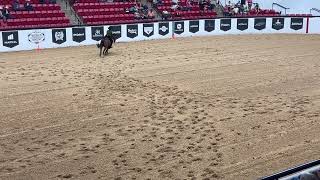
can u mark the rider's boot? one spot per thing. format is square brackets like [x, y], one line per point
[111, 43]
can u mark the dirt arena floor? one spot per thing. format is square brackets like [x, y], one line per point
[222, 107]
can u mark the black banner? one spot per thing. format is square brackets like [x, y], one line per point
[97, 33]
[242, 24]
[277, 23]
[148, 30]
[163, 28]
[179, 27]
[193, 26]
[116, 31]
[59, 36]
[209, 25]
[260, 23]
[296, 23]
[78, 34]
[132, 31]
[10, 39]
[225, 24]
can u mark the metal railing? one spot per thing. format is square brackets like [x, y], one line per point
[69, 6]
[279, 5]
[314, 9]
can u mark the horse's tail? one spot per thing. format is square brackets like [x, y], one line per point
[100, 44]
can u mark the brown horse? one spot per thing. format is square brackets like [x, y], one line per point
[106, 44]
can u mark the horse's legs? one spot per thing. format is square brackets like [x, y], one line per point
[105, 50]
[100, 51]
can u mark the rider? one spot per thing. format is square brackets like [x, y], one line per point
[109, 35]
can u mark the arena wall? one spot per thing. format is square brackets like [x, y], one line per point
[79, 36]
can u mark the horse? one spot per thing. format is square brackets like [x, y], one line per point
[106, 44]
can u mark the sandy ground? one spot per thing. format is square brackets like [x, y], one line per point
[227, 107]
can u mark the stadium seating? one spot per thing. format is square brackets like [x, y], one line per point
[94, 13]
[42, 16]
[244, 10]
[193, 13]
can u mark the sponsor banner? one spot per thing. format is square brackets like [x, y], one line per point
[97, 33]
[260, 23]
[193, 26]
[242, 24]
[132, 31]
[10, 39]
[296, 23]
[179, 27]
[36, 37]
[209, 25]
[116, 31]
[59, 36]
[225, 24]
[163, 28]
[277, 23]
[78, 34]
[148, 30]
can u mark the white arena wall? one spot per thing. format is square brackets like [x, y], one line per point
[78, 36]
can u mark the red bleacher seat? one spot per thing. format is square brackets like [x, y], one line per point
[94, 12]
[43, 15]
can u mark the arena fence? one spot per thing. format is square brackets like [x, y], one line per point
[310, 170]
[76, 36]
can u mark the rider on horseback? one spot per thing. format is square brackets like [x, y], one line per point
[109, 35]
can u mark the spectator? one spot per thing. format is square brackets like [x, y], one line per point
[16, 5]
[143, 15]
[245, 8]
[238, 4]
[137, 15]
[28, 6]
[165, 15]
[229, 4]
[201, 5]
[249, 4]
[175, 7]
[150, 14]
[188, 6]
[212, 5]
[257, 6]
[53, 1]
[145, 7]
[6, 13]
[177, 13]
[1, 15]
[235, 10]
[175, 2]
[133, 9]
[157, 3]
